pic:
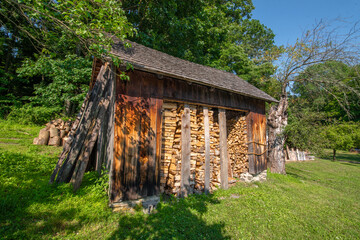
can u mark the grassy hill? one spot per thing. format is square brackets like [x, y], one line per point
[315, 200]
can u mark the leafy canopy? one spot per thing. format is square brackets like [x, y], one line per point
[216, 33]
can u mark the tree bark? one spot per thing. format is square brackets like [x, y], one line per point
[277, 121]
[334, 155]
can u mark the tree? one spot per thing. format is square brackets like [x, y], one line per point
[341, 136]
[75, 25]
[216, 33]
[322, 44]
[64, 81]
[42, 35]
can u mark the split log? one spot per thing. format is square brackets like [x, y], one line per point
[44, 135]
[54, 141]
[54, 132]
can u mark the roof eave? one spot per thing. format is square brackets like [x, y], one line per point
[158, 71]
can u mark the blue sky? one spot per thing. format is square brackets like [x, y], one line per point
[289, 18]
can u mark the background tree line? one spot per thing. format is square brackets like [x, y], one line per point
[47, 49]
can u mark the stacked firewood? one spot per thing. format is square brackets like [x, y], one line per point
[214, 149]
[193, 143]
[170, 170]
[200, 150]
[54, 134]
[237, 147]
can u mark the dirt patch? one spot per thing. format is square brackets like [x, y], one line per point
[9, 143]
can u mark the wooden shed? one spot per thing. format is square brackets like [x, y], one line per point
[175, 127]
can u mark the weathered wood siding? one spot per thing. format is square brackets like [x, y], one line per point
[138, 120]
[257, 149]
[137, 147]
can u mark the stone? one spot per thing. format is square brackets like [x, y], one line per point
[248, 178]
[147, 205]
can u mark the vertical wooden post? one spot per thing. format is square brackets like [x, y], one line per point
[223, 149]
[251, 149]
[207, 150]
[185, 152]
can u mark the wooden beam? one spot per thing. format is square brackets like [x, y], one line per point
[207, 150]
[205, 105]
[250, 139]
[185, 152]
[223, 149]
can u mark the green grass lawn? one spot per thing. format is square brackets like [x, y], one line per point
[341, 156]
[315, 200]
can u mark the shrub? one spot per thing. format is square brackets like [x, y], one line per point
[33, 115]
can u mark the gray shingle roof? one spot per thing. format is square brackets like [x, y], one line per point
[147, 59]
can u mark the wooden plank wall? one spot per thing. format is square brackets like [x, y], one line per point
[256, 131]
[137, 141]
[137, 147]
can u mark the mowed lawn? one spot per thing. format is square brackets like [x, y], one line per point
[315, 200]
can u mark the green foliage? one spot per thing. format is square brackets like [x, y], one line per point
[304, 131]
[62, 79]
[338, 97]
[51, 37]
[320, 111]
[342, 136]
[215, 33]
[68, 24]
[29, 114]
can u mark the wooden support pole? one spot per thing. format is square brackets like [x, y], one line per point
[207, 150]
[250, 139]
[185, 152]
[223, 150]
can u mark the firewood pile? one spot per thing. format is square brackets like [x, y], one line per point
[237, 147]
[55, 133]
[170, 171]
[170, 168]
[214, 150]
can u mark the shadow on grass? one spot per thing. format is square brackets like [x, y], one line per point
[30, 208]
[177, 219]
[354, 164]
[298, 173]
[343, 157]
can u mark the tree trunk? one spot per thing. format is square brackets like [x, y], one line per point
[277, 121]
[334, 155]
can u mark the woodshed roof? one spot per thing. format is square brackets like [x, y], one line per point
[150, 60]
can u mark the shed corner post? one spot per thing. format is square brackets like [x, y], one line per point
[250, 142]
[223, 149]
[207, 150]
[185, 152]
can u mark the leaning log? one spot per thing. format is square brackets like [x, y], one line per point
[83, 136]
